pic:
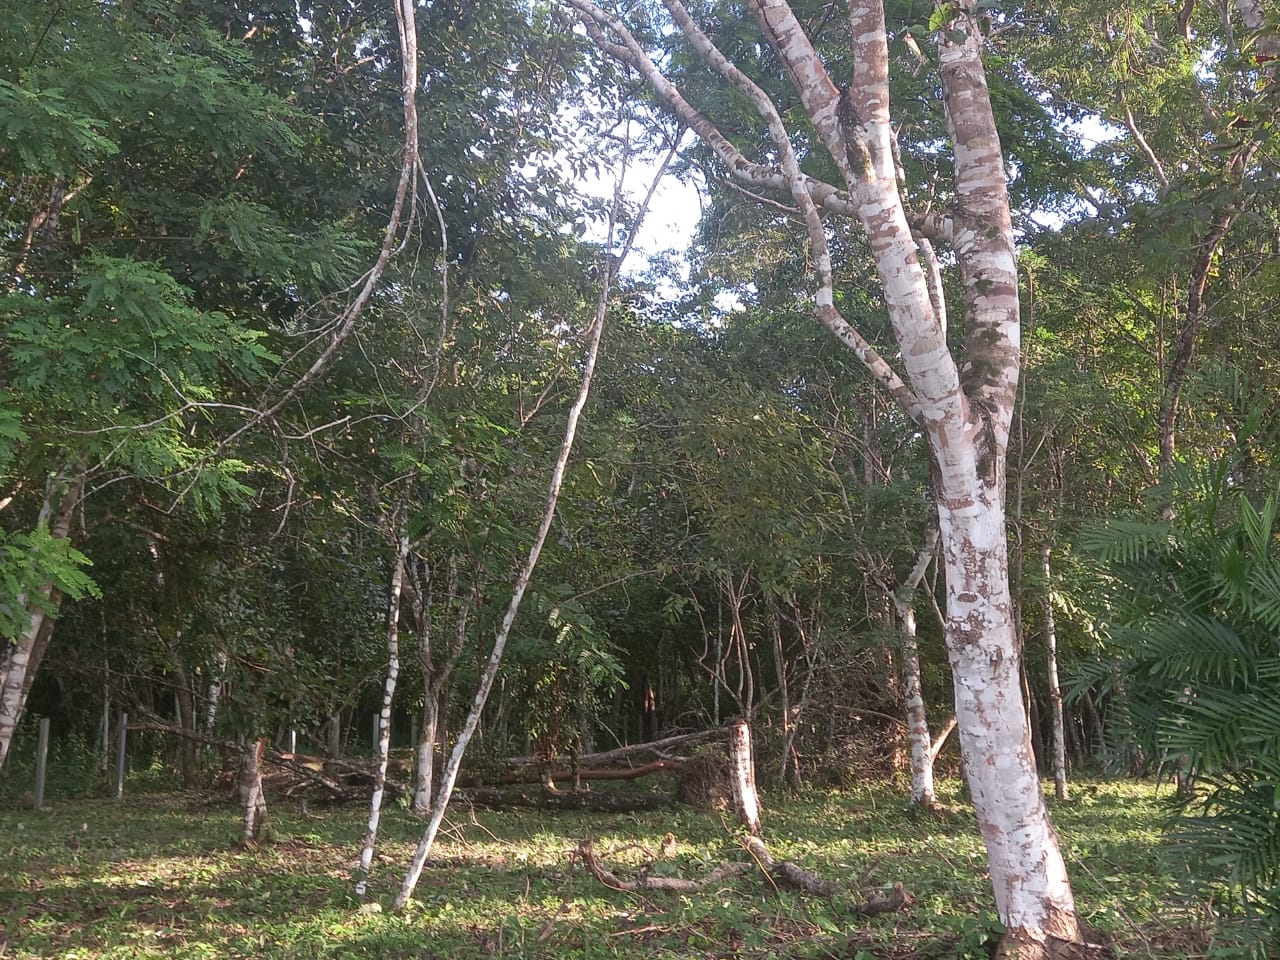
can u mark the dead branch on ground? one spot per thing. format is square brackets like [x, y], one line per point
[784, 873]
[645, 882]
[798, 877]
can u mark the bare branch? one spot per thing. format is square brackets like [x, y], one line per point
[825, 195]
[410, 163]
[1156, 166]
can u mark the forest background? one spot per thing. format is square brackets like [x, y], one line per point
[251, 385]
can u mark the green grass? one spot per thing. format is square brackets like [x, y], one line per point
[160, 877]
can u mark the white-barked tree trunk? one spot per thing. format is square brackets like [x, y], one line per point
[384, 716]
[20, 661]
[963, 403]
[922, 751]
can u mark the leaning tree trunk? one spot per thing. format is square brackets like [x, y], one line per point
[450, 773]
[19, 663]
[384, 718]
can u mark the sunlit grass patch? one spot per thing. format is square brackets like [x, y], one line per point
[97, 880]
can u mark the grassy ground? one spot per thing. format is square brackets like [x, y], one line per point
[160, 876]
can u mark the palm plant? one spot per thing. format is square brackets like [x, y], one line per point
[1192, 670]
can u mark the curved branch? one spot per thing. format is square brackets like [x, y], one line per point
[409, 165]
[595, 20]
[797, 184]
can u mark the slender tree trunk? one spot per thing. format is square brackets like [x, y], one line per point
[717, 680]
[1094, 732]
[20, 662]
[187, 746]
[333, 734]
[384, 718]
[780, 667]
[426, 746]
[1184, 349]
[1055, 689]
[742, 777]
[104, 733]
[450, 773]
[789, 741]
[1033, 705]
[435, 681]
[922, 754]
[745, 690]
[253, 802]
[215, 691]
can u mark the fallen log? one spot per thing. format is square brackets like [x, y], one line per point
[779, 872]
[311, 770]
[602, 802]
[658, 748]
[533, 775]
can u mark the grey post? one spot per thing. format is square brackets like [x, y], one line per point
[42, 761]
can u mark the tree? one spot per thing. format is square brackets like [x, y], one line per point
[962, 401]
[127, 151]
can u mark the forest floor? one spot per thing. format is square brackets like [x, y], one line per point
[162, 876]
